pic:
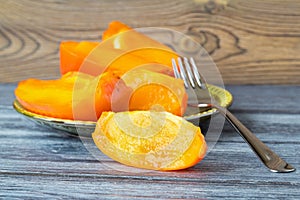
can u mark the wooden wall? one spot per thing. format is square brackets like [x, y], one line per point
[252, 42]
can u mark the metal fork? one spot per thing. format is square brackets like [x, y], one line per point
[194, 83]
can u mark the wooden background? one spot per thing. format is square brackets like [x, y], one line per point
[252, 42]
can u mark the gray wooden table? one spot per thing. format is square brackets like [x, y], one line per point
[38, 162]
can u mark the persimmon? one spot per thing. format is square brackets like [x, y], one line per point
[103, 59]
[73, 96]
[125, 38]
[122, 48]
[114, 28]
[149, 140]
[155, 91]
[93, 59]
[80, 96]
[122, 37]
[52, 98]
[105, 87]
[91, 70]
[72, 54]
[89, 102]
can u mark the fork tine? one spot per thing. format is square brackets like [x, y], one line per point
[181, 68]
[175, 68]
[182, 72]
[179, 75]
[189, 72]
[197, 74]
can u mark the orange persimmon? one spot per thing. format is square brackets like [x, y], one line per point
[114, 28]
[109, 59]
[89, 102]
[90, 71]
[149, 140]
[152, 91]
[122, 49]
[156, 97]
[74, 96]
[72, 54]
[122, 37]
[105, 86]
[92, 58]
[51, 98]
[80, 96]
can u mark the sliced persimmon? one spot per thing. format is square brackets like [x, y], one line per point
[122, 49]
[73, 96]
[150, 91]
[114, 28]
[149, 140]
[122, 37]
[125, 38]
[72, 54]
[51, 98]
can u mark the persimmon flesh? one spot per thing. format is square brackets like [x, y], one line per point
[149, 140]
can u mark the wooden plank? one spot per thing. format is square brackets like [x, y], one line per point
[37, 162]
[252, 42]
[95, 188]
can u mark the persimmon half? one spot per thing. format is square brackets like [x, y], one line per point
[149, 140]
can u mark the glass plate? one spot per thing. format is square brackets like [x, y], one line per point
[85, 128]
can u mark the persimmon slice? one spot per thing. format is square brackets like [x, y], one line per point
[51, 98]
[150, 91]
[149, 140]
[75, 95]
[73, 53]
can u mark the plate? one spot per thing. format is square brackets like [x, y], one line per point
[86, 128]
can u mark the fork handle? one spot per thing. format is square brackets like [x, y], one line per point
[266, 155]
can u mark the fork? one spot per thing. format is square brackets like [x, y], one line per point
[194, 83]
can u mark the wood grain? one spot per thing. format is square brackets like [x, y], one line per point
[37, 162]
[252, 42]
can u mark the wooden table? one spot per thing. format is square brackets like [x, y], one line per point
[38, 162]
[259, 39]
